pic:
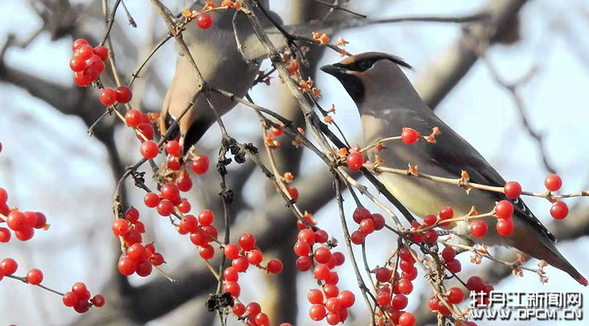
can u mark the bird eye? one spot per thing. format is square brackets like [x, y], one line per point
[365, 65]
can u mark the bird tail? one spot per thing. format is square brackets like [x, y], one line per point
[556, 259]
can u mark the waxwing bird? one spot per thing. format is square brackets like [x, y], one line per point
[387, 102]
[222, 65]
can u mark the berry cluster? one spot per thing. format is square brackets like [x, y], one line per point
[368, 223]
[559, 209]
[328, 301]
[110, 97]
[87, 62]
[22, 223]
[139, 258]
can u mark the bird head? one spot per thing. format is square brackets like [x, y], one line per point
[367, 72]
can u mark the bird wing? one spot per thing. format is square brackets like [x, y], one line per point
[457, 155]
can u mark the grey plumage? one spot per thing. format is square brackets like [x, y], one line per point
[387, 102]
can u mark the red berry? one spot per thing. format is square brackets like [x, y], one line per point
[276, 132]
[255, 257]
[307, 236]
[238, 309]
[101, 52]
[206, 217]
[206, 251]
[399, 301]
[70, 299]
[157, 259]
[184, 206]
[360, 214]
[262, 319]
[383, 274]
[304, 263]
[346, 298]
[133, 236]
[170, 191]
[98, 301]
[3, 194]
[127, 266]
[26, 233]
[137, 252]
[330, 290]
[448, 253]
[149, 149]
[429, 220]
[231, 251]
[504, 227]
[475, 283]
[379, 221]
[322, 255]
[274, 266]
[512, 190]
[383, 298]
[333, 277]
[411, 274]
[357, 237]
[173, 148]
[559, 210]
[240, 264]
[339, 258]
[333, 304]
[233, 288]
[80, 289]
[85, 52]
[9, 266]
[247, 241]
[405, 286]
[478, 228]
[430, 236]
[453, 266]
[78, 44]
[165, 207]
[405, 254]
[108, 96]
[123, 94]
[504, 209]
[433, 303]
[293, 192]
[30, 219]
[144, 268]
[553, 182]
[321, 272]
[144, 131]
[367, 226]
[317, 312]
[321, 236]
[355, 161]
[132, 214]
[302, 248]
[409, 136]
[151, 199]
[82, 306]
[134, 118]
[445, 214]
[230, 274]
[200, 164]
[77, 64]
[15, 221]
[41, 220]
[120, 227]
[174, 163]
[4, 235]
[204, 21]
[184, 183]
[315, 296]
[35, 276]
[455, 295]
[406, 319]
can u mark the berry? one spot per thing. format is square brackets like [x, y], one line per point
[230, 274]
[448, 253]
[379, 221]
[127, 266]
[433, 303]
[70, 299]
[405, 286]
[276, 132]
[399, 301]
[430, 236]
[330, 290]
[293, 192]
[123, 94]
[132, 214]
[200, 164]
[173, 148]
[322, 255]
[98, 301]
[4, 235]
[355, 161]
[307, 236]
[165, 207]
[184, 206]
[321, 272]
[82, 306]
[204, 21]
[206, 217]
[405, 254]
[144, 132]
[137, 252]
[144, 268]
[367, 226]
[240, 264]
[504, 209]
[149, 149]
[41, 220]
[133, 236]
[157, 259]
[85, 52]
[321, 236]
[478, 228]
[383, 274]
[77, 64]
[504, 227]
[79, 289]
[339, 258]
[231, 251]
[184, 183]
[453, 266]
[475, 283]
[429, 220]
[101, 52]
[409, 136]
[406, 319]
[411, 274]
[446, 213]
[317, 312]
[255, 257]
[238, 309]
[3, 194]
[120, 227]
[304, 263]
[247, 241]
[233, 288]
[133, 118]
[274, 266]
[553, 182]
[26, 233]
[108, 96]
[333, 304]
[35, 276]
[360, 214]
[512, 190]
[346, 298]
[262, 319]
[315, 296]
[78, 43]
[357, 237]
[151, 200]
[559, 210]
[9, 266]
[207, 252]
[455, 295]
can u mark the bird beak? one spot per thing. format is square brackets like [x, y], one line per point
[334, 70]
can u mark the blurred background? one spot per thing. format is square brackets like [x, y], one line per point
[48, 162]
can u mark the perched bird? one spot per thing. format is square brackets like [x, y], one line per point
[387, 102]
[222, 66]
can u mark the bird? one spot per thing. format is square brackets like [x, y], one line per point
[387, 102]
[222, 66]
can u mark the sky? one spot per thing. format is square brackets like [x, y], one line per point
[48, 163]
